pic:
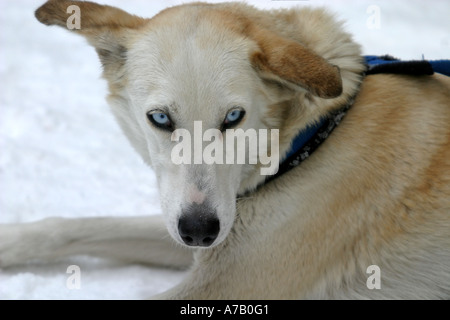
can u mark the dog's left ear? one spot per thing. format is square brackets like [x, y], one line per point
[105, 27]
[293, 65]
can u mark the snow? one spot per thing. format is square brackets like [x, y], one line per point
[62, 154]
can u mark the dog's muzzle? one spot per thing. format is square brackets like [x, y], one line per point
[199, 226]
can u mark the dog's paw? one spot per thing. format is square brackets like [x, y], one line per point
[20, 243]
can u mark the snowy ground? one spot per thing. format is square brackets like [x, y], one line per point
[62, 154]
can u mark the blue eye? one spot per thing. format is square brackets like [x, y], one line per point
[233, 117]
[160, 120]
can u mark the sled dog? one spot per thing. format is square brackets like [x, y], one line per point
[365, 214]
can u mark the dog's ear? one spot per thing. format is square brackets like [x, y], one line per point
[293, 65]
[104, 27]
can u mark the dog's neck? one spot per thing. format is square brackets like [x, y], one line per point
[309, 139]
[306, 141]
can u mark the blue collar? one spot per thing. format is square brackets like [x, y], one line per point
[309, 139]
[303, 137]
[389, 64]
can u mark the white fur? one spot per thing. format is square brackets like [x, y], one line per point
[310, 233]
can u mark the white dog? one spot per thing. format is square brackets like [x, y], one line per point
[375, 192]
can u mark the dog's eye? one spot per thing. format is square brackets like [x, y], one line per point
[233, 117]
[160, 120]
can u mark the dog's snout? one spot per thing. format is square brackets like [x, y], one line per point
[198, 228]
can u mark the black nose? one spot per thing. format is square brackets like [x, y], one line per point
[198, 228]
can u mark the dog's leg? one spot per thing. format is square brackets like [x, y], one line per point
[140, 239]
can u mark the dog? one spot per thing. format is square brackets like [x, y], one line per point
[365, 215]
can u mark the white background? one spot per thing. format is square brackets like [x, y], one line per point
[62, 154]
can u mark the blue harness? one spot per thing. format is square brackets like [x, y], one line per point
[309, 139]
[388, 64]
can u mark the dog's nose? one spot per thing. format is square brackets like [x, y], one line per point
[198, 229]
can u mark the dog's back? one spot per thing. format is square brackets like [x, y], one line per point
[391, 181]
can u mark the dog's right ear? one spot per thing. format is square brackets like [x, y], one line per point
[105, 27]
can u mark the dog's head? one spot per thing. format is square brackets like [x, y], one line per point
[178, 81]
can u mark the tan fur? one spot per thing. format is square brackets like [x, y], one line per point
[105, 27]
[282, 57]
[94, 15]
[377, 192]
